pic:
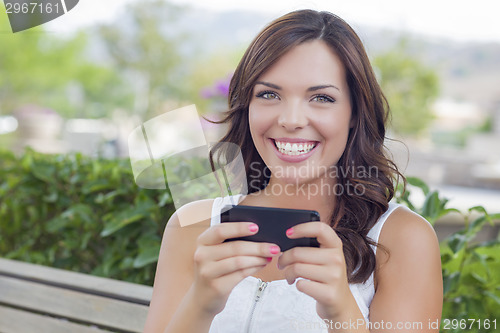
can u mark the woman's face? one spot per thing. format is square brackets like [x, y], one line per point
[300, 113]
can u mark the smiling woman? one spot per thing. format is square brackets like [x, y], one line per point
[307, 113]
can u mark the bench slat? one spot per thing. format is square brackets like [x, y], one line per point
[72, 304]
[68, 278]
[18, 321]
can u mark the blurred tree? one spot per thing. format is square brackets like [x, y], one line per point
[145, 47]
[410, 88]
[207, 75]
[38, 68]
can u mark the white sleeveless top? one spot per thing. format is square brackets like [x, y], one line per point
[280, 306]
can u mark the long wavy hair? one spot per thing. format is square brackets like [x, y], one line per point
[354, 214]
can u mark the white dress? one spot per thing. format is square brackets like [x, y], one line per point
[280, 306]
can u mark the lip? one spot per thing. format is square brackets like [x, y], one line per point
[295, 158]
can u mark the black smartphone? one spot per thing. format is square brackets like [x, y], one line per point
[273, 223]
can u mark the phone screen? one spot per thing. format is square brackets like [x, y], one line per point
[273, 223]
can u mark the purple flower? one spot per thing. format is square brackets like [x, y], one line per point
[219, 89]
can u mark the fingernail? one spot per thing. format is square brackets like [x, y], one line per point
[289, 232]
[253, 227]
[269, 259]
[274, 249]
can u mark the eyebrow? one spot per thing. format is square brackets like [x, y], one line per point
[274, 86]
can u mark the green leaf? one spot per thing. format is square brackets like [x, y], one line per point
[418, 183]
[121, 220]
[475, 226]
[446, 258]
[56, 224]
[164, 199]
[473, 279]
[149, 248]
[84, 212]
[479, 209]
[44, 172]
[456, 242]
[142, 209]
[450, 282]
[52, 197]
[492, 296]
[147, 256]
[482, 259]
[97, 185]
[474, 306]
[432, 205]
[127, 263]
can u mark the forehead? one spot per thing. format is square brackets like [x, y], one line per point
[307, 64]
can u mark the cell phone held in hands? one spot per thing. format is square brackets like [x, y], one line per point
[273, 223]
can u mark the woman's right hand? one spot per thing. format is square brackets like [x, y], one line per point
[219, 266]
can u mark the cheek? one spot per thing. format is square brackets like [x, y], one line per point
[259, 121]
[333, 127]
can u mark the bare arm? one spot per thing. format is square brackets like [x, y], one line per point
[173, 279]
[409, 289]
[197, 271]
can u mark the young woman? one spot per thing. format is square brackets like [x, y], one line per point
[309, 117]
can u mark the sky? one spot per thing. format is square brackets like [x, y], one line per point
[460, 20]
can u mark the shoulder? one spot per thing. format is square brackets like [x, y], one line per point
[186, 224]
[405, 227]
[192, 213]
[407, 238]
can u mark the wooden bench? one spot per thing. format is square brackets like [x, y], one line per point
[41, 299]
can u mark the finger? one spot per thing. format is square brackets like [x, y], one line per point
[325, 234]
[319, 291]
[219, 233]
[208, 253]
[244, 248]
[308, 255]
[230, 265]
[228, 281]
[316, 273]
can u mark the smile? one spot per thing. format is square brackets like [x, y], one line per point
[295, 148]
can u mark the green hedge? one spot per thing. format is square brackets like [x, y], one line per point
[471, 269]
[80, 214]
[87, 215]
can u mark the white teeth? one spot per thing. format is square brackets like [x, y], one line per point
[294, 149]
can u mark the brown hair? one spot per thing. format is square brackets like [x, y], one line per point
[354, 215]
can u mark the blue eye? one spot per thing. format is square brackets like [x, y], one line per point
[267, 95]
[323, 99]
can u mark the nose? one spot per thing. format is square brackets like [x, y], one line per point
[292, 117]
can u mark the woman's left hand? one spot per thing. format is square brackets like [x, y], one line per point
[324, 268]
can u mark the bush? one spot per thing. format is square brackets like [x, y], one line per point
[81, 214]
[471, 279]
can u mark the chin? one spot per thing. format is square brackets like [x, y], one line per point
[291, 176]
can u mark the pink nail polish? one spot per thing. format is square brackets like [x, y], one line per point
[289, 232]
[253, 227]
[274, 249]
[269, 259]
